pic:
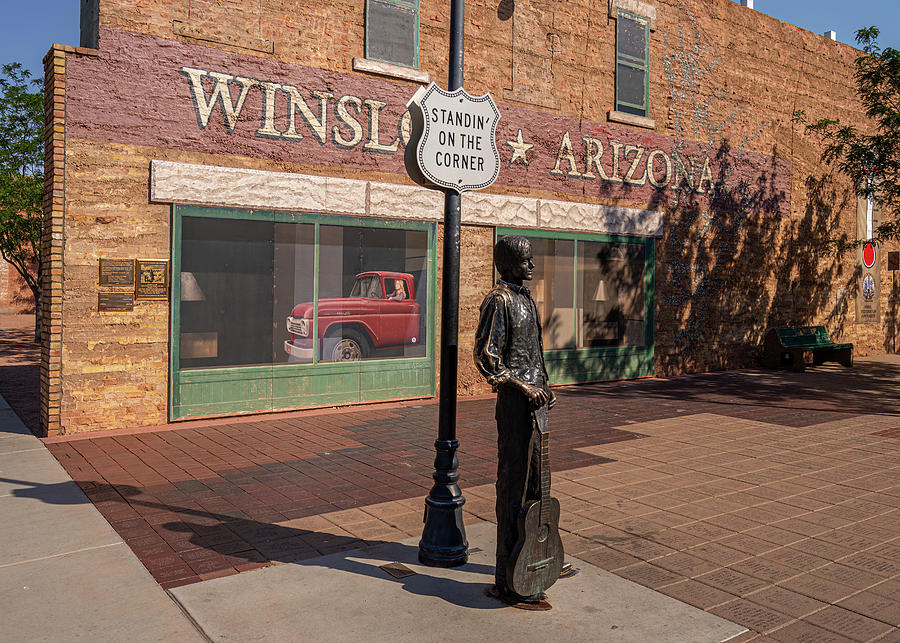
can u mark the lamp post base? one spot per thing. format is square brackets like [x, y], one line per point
[443, 542]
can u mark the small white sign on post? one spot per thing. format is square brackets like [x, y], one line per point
[453, 142]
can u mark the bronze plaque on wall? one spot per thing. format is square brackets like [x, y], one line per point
[116, 272]
[108, 301]
[152, 280]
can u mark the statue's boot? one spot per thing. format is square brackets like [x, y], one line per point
[537, 602]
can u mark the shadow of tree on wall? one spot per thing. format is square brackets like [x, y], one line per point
[733, 262]
[892, 323]
[732, 268]
[737, 256]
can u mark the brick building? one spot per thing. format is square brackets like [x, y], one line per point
[7, 288]
[15, 295]
[212, 165]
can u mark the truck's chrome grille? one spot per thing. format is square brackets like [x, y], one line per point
[298, 326]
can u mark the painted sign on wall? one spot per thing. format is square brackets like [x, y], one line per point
[208, 100]
[868, 288]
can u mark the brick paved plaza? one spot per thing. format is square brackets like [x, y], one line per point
[770, 499]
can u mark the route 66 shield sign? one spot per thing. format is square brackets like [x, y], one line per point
[453, 141]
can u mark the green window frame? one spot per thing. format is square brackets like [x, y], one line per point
[632, 64]
[392, 32]
[578, 365]
[199, 392]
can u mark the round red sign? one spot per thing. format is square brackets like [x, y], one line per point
[868, 255]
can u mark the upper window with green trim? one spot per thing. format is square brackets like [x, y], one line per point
[392, 31]
[632, 63]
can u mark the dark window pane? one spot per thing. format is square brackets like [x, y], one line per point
[629, 86]
[628, 109]
[373, 293]
[631, 38]
[226, 292]
[611, 287]
[391, 32]
[553, 290]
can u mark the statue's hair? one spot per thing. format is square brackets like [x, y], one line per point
[509, 251]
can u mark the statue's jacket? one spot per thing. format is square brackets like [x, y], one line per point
[508, 344]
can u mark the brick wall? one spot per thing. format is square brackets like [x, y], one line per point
[15, 295]
[725, 82]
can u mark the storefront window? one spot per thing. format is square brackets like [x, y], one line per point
[611, 287]
[226, 292]
[372, 295]
[249, 293]
[295, 246]
[553, 290]
[591, 293]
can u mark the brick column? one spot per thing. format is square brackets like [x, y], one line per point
[52, 236]
[53, 233]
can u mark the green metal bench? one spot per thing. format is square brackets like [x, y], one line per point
[787, 347]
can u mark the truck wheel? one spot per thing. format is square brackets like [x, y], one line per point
[351, 347]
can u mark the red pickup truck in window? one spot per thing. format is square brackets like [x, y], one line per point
[380, 313]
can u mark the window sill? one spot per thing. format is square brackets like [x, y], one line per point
[631, 119]
[392, 71]
[636, 7]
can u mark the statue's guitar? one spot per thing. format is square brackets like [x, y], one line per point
[537, 558]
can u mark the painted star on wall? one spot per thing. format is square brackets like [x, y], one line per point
[520, 149]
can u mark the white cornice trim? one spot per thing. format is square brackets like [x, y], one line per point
[229, 187]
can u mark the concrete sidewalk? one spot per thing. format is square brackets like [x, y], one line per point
[65, 574]
[348, 597]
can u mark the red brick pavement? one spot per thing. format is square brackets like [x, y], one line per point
[791, 531]
[194, 501]
[213, 491]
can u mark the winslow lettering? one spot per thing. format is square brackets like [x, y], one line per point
[358, 121]
[220, 94]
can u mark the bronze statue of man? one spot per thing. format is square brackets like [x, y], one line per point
[509, 353]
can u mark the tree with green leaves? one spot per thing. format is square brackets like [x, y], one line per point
[870, 158]
[22, 176]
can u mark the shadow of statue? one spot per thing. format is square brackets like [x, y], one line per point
[222, 532]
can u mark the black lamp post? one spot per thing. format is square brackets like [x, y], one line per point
[444, 541]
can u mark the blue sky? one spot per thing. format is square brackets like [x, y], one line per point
[841, 16]
[30, 26]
